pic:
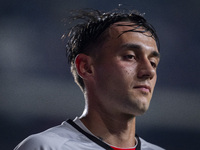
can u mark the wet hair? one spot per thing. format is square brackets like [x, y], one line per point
[90, 32]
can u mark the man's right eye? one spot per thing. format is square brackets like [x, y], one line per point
[129, 57]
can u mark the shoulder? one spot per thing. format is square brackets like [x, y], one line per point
[52, 138]
[148, 146]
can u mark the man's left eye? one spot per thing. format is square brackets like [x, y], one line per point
[153, 64]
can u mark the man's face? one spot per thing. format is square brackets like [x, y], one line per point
[125, 70]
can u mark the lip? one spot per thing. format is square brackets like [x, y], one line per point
[144, 88]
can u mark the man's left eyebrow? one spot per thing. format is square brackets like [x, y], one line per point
[155, 54]
[138, 47]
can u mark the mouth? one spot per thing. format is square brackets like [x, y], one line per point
[143, 88]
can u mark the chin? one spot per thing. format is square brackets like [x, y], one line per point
[141, 110]
[137, 106]
[139, 113]
[136, 111]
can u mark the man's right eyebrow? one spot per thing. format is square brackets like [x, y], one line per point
[131, 46]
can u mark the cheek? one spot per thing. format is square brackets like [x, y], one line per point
[154, 81]
[117, 72]
[129, 70]
[122, 71]
[104, 73]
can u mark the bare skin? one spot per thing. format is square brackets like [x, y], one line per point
[119, 83]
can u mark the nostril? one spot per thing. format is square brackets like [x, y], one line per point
[146, 73]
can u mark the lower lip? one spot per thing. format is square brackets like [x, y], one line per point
[145, 90]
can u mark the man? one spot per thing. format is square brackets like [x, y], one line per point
[113, 57]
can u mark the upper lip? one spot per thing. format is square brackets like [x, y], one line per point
[143, 86]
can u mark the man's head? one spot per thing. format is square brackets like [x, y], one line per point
[87, 36]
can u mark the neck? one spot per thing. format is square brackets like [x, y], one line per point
[115, 129]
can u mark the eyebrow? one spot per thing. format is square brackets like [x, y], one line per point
[133, 46]
[155, 54]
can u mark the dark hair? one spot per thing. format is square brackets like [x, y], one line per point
[84, 34]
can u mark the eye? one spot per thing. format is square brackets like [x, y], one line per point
[129, 57]
[153, 64]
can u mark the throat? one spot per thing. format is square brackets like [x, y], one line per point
[117, 131]
[126, 148]
[119, 134]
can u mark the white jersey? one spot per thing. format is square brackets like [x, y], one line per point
[72, 135]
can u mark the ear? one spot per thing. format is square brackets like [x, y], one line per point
[84, 65]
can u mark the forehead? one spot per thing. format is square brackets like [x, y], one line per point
[119, 28]
[129, 32]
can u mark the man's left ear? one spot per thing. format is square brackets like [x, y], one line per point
[84, 65]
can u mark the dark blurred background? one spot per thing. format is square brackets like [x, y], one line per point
[37, 90]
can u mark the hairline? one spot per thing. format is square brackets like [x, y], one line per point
[101, 39]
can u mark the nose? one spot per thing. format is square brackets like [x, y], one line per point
[146, 70]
